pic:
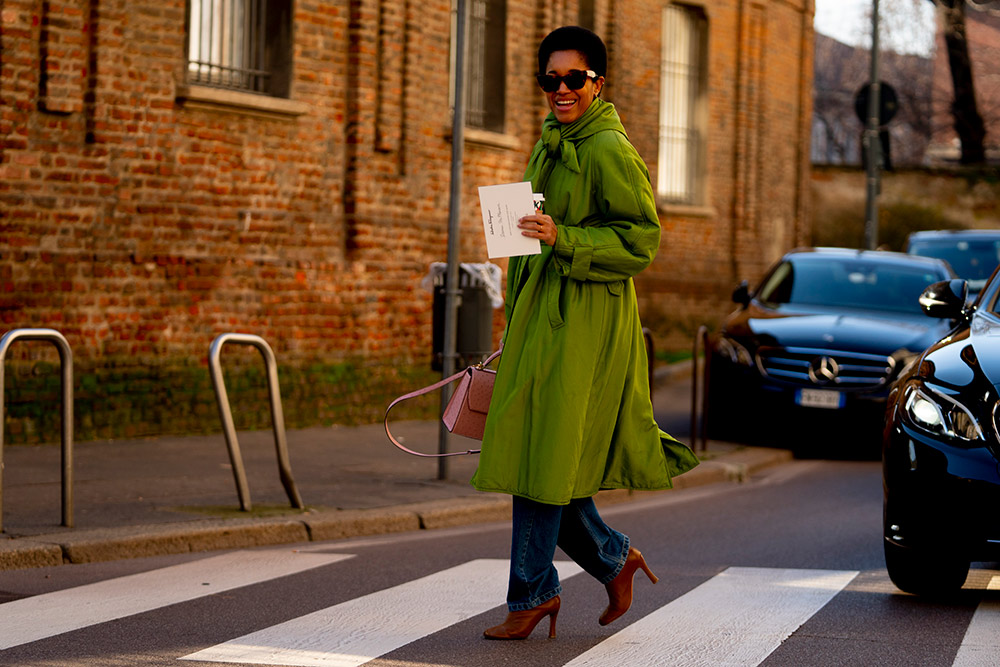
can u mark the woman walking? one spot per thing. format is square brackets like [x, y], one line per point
[571, 411]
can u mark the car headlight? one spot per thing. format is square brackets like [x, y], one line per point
[940, 414]
[734, 351]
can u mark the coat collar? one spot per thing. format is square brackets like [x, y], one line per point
[559, 140]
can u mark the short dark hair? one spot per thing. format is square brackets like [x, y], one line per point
[574, 38]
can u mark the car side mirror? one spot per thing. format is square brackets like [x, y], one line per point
[741, 294]
[945, 299]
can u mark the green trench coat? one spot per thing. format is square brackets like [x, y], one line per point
[571, 411]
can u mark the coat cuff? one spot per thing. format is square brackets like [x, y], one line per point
[580, 268]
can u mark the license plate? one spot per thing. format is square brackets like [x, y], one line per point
[819, 398]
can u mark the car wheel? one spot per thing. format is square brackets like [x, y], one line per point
[924, 571]
[716, 426]
[723, 423]
[724, 419]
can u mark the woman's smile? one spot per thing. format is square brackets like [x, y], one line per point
[564, 109]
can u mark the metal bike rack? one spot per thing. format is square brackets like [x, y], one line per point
[66, 362]
[277, 417]
[699, 419]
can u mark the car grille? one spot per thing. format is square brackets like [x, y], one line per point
[825, 368]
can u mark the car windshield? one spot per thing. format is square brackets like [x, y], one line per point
[973, 260]
[809, 280]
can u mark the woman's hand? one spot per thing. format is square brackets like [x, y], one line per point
[539, 226]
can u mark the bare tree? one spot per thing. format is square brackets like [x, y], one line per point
[968, 122]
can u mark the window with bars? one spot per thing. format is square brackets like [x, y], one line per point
[242, 45]
[683, 113]
[487, 69]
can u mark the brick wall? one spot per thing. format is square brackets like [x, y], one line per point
[142, 218]
[760, 92]
[969, 196]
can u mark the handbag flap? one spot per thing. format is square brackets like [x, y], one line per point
[458, 399]
[481, 389]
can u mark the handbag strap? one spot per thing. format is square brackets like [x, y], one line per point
[426, 390]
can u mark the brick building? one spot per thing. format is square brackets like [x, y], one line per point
[174, 170]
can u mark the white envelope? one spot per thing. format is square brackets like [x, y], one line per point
[502, 206]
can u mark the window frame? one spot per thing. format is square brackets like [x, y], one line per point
[486, 70]
[682, 169]
[250, 52]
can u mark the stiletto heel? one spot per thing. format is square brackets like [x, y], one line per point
[620, 588]
[645, 568]
[519, 624]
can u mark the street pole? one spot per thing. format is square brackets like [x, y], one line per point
[452, 294]
[873, 145]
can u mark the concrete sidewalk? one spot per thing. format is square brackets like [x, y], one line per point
[177, 494]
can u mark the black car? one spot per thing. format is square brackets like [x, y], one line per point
[972, 253]
[941, 448]
[807, 359]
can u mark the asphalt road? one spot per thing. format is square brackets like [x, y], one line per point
[792, 557]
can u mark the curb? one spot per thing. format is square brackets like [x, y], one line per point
[104, 544]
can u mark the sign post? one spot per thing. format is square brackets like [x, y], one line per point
[452, 293]
[872, 144]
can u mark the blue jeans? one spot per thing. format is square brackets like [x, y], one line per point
[577, 529]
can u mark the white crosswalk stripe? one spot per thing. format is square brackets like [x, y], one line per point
[736, 618]
[354, 632]
[739, 617]
[981, 645]
[51, 614]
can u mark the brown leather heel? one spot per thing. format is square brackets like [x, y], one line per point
[519, 624]
[620, 588]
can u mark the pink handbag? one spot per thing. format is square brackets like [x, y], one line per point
[466, 411]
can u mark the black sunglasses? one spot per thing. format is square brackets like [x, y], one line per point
[575, 80]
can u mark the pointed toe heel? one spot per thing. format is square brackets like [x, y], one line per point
[519, 624]
[620, 588]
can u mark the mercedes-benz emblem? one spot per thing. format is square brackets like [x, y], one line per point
[823, 370]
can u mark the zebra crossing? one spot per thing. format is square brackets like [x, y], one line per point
[42, 616]
[738, 617]
[360, 630]
[981, 644]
